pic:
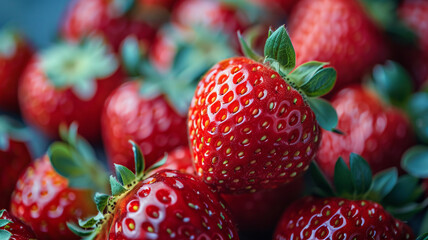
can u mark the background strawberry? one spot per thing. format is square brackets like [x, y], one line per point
[12, 228]
[14, 157]
[67, 83]
[249, 127]
[165, 205]
[15, 53]
[179, 159]
[47, 201]
[372, 126]
[350, 41]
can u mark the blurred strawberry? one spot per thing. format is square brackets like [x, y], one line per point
[46, 200]
[179, 159]
[14, 229]
[69, 82]
[14, 56]
[339, 32]
[372, 124]
[107, 18]
[14, 157]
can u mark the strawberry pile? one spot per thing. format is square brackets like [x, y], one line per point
[218, 119]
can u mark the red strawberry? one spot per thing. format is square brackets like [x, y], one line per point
[179, 159]
[338, 32]
[277, 6]
[103, 17]
[372, 127]
[150, 121]
[12, 228]
[67, 83]
[260, 211]
[249, 126]
[166, 205]
[14, 158]
[48, 201]
[14, 55]
[339, 218]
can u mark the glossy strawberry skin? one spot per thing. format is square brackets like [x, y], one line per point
[14, 160]
[99, 16]
[179, 159]
[261, 211]
[172, 205]
[249, 129]
[46, 107]
[338, 218]
[43, 200]
[11, 68]
[380, 134]
[151, 122]
[338, 32]
[18, 229]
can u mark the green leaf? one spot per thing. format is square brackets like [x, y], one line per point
[116, 187]
[415, 161]
[64, 162]
[123, 6]
[247, 50]
[5, 235]
[101, 200]
[406, 190]
[4, 141]
[320, 180]
[4, 222]
[78, 230]
[325, 113]
[417, 108]
[2, 211]
[138, 158]
[383, 183]
[303, 73]
[392, 82]
[423, 230]
[407, 211]
[279, 47]
[125, 174]
[423, 236]
[131, 55]
[321, 83]
[361, 173]
[88, 223]
[342, 179]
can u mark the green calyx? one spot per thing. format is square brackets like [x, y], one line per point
[79, 66]
[8, 42]
[4, 233]
[11, 129]
[311, 79]
[124, 181]
[196, 51]
[74, 159]
[417, 109]
[415, 161]
[398, 195]
[392, 82]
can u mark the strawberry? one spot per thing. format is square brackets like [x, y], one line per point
[14, 55]
[14, 229]
[251, 125]
[339, 218]
[369, 122]
[107, 18]
[179, 159]
[352, 209]
[69, 82]
[14, 157]
[349, 41]
[166, 205]
[46, 201]
[150, 121]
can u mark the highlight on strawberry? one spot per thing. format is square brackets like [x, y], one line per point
[254, 121]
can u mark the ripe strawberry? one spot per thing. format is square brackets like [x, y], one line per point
[46, 201]
[14, 157]
[250, 124]
[67, 83]
[179, 159]
[166, 205]
[106, 18]
[14, 55]
[12, 228]
[150, 121]
[352, 209]
[372, 127]
[339, 218]
[339, 32]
